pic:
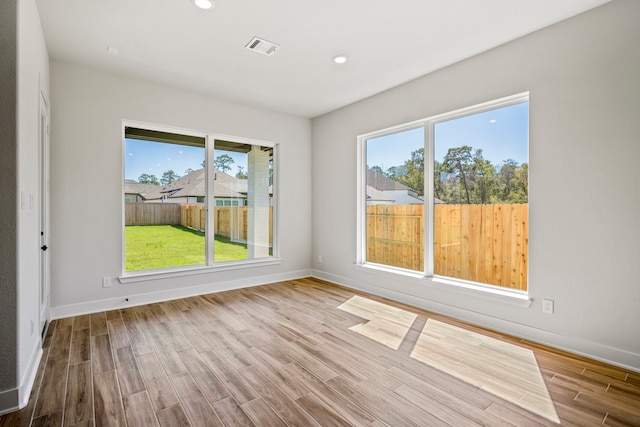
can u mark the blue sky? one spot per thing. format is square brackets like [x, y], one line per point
[155, 158]
[501, 134]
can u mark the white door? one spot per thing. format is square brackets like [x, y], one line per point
[44, 212]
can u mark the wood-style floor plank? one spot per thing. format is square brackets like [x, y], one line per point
[285, 354]
[287, 409]
[209, 384]
[98, 324]
[117, 333]
[347, 409]
[128, 373]
[80, 346]
[173, 416]
[108, 403]
[231, 413]
[52, 390]
[234, 382]
[262, 414]
[139, 411]
[195, 405]
[101, 356]
[157, 383]
[79, 399]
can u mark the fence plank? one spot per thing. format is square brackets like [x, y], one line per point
[480, 243]
[152, 213]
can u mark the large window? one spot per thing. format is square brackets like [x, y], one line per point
[195, 200]
[471, 167]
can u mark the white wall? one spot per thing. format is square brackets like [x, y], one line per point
[583, 78]
[86, 178]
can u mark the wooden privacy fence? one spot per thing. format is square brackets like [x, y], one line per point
[229, 221]
[481, 243]
[151, 213]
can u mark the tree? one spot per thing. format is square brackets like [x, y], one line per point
[483, 178]
[458, 161]
[168, 177]
[223, 162]
[378, 170]
[394, 172]
[188, 171]
[513, 180]
[413, 169]
[241, 174]
[441, 179]
[146, 178]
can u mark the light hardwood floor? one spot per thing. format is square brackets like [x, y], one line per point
[286, 354]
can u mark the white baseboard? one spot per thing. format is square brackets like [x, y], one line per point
[593, 350]
[96, 306]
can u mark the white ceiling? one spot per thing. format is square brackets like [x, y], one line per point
[387, 42]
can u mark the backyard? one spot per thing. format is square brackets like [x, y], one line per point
[160, 246]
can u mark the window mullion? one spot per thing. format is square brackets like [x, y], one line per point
[210, 201]
[429, 198]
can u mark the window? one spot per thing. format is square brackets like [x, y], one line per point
[395, 199]
[195, 200]
[471, 166]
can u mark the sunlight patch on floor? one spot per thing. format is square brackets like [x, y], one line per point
[385, 324]
[502, 369]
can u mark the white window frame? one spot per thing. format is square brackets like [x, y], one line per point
[209, 265]
[429, 131]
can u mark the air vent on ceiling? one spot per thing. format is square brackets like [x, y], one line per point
[262, 46]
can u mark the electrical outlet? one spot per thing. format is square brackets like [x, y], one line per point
[547, 306]
[106, 282]
[320, 258]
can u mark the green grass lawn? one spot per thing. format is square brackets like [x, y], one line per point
[160, 246]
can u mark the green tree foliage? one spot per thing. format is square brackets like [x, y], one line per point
[223, 162]
[241, 174]
[188, 171]
[168, 177]
[513, 180]
[146, 178]
[458, 161]
[465, 177]
[412, 172]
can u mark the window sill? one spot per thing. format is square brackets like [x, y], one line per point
[478, 290]
[168, 273]
[387, 269]
[512, 295]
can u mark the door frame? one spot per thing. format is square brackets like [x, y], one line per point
[43, 194]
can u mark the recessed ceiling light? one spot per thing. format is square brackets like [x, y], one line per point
[204, 4]
[339, 59]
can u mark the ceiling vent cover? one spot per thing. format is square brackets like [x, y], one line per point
[262, 46]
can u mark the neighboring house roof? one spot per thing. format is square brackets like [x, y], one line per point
[383, 183]
[143, 190]
[377, 184]
[374, 195]
[193, 185]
